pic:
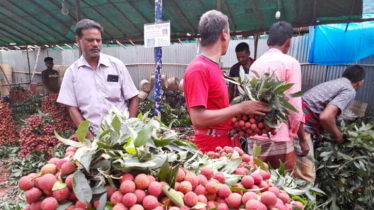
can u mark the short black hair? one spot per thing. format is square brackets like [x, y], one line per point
[242, 47]
[86, 24]
[48, 59]
[354, 73]
[279, 32]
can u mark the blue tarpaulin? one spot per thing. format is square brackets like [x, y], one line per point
[332, 45]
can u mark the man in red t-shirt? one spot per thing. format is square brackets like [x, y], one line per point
[205, 88]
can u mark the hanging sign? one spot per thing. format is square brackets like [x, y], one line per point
[157, 34]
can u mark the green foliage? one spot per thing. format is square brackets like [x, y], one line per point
[298, 189]
[266, 88]
[135, 145]
[178, 116]
[19, 167]
[22, 110]
[345, 171]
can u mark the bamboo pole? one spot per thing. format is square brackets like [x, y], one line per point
[36, 64]
[28, 61]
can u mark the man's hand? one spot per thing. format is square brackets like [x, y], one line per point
[304, 148]
[340, 139]
[254, 108]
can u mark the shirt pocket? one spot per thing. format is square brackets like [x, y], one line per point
[113, 93]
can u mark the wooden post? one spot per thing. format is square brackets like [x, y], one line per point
[219, 5]
[28, 61]
[6, 79]
[36, 64]
[256, 36]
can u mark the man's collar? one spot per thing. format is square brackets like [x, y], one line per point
[103, 60]
[274, 49]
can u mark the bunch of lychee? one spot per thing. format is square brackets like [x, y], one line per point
[37, 136]
[58, 112]
[17, 95]
[250, 125]
[39, 188]
[8, 135]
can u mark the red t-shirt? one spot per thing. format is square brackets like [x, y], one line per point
[205, 86]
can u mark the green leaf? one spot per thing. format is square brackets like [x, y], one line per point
[83, 156]
[250, 94]
[231, 179]
[104, 165]
[256, 73]
[283, 88]
[282, 168]
[164, 170]
[58, 185]
[173, 195]
[260, 164]
[98, 190]
[295, 191]
[81, 187]
[218, 164]
[163, 142]
[294, 95]
[116, 124]
[344, 156]
[242, 74]
[232, 165]
[288, 105]
[102, 202]
[82, 130]
[64, 206]
[68, 142]
[130, 147]
[253, 82]
[256, 151]
[144, 135]
[315, 189]
[199, 206]
[172, 176]
[234, 189]
[108, 206]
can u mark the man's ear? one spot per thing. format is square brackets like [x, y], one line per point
[288, 43]
[224, 35]
[77, 40]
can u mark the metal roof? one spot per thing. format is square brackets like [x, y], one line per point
[40, 22]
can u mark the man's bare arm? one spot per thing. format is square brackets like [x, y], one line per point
[328, 122]
[77, 118]
[231, 91]
[202, 118]
[133, 106]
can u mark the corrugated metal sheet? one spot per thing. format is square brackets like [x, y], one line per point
[300, 48]
[312, 75]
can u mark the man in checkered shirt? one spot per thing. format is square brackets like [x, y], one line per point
[321, 106]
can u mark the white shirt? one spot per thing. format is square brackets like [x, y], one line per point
[93, 91]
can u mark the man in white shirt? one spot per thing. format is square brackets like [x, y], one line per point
[95, 81]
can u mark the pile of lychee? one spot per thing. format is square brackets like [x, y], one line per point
[39, 192]
[251, 125]
[144, 192]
